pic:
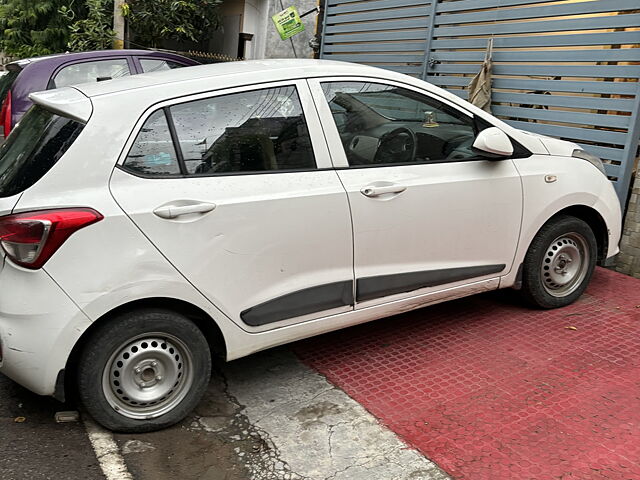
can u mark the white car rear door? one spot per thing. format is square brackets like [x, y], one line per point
[247, 207]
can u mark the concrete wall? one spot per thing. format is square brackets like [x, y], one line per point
[297, 46]
[226, 42]
[254, 17]
[629, 259]
[255, 21]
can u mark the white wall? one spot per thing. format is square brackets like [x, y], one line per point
[254, 16]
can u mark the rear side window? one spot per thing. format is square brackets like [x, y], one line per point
[158, 65]
[33, 147]
[90, 72]
[252, 131]
[247, 132]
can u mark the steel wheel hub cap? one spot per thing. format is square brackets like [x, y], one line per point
[565, 264]
[148, 376]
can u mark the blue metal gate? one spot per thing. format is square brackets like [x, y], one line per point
[568, 68]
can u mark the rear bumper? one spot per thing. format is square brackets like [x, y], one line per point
[39, 325]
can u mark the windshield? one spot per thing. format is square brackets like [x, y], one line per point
[33, 147]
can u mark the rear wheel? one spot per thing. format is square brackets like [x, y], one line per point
[144, 370]
[559, 263]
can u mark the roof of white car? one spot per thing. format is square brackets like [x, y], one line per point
[264, 70]
[73, 101]
[151, 88]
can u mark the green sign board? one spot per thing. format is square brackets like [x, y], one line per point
[288, 22]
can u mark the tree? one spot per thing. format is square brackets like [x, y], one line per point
[39, 27]
[155, 20]
[34, 27]
[93, 32]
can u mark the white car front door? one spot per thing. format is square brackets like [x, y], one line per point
[237, 191]
[428, 213]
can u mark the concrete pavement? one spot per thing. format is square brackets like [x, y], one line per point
[269, 417]
[265, 417]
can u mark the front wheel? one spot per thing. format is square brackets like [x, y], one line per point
[559, 263]
[143, 371]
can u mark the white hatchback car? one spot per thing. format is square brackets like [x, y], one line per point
[149, 221]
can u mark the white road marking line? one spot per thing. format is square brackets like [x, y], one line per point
[107, 451]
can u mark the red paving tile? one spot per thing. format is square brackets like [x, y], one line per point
[489, 389]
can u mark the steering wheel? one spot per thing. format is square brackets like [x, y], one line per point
[459, 151]
[397, 146]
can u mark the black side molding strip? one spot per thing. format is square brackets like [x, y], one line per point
[340, 294]
[384, 285]
[302, 302]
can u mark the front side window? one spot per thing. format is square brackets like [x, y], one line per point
[33, 148]
[91, 72]
[252, 131]
[153, 152]
[388, 125]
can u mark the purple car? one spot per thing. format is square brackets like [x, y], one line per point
[53, 71]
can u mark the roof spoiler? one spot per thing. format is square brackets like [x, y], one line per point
[67, 101]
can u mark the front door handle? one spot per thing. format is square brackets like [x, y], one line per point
[175, 211]
[376, 191]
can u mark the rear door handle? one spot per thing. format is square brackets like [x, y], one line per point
[174, 211]
[376, 191]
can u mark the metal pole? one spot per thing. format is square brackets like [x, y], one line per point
[323, 25]
[118, 24]
[629, 152]
[427, 46]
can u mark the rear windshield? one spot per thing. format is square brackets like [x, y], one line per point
[33, 147]
[6, 81]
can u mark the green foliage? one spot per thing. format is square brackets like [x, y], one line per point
[34, 27]
[40, 27]
[154, 20]
[93, 32]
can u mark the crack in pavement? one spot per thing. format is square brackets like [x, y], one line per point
[298, 411]
[275, 409]
[264, 462]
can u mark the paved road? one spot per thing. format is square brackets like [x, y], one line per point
[269, 417]
[204, 447]
[265, 417]
[39, 448]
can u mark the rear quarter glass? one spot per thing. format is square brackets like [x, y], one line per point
[33, 148]
[6, 84]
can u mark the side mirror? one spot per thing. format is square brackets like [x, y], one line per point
[493, 143]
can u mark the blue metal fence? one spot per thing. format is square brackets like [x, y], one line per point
[569, 69]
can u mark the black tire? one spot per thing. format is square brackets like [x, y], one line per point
[563, 245]
[157, 355]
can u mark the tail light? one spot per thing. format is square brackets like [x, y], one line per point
[5, 114]
[30, 239]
